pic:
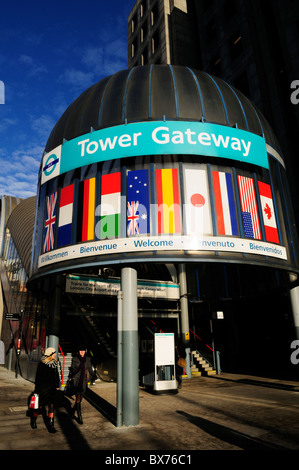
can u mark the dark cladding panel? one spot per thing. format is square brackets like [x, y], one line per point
[137, 98]
[111, 112]
[251, 116]
[187, 94]
[162, 90]
[235, 113]
[213, 105]
[90, 111]
[72, 122]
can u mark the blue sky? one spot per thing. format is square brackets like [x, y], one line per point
[50, 52]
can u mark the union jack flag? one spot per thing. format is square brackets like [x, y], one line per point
[133, 218]
[50, 222]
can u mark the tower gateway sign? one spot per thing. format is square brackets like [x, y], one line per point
[188, 209]
[155, 138]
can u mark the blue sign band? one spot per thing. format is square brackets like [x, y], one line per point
[158, 138]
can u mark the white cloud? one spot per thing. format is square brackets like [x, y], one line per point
[34, 67]
[78, 79]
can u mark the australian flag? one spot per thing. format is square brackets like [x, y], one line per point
[138, 215]
[50, 222]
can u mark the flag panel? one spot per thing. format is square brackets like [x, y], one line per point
[249, 209]
[197, 213]
[226, 215]
[88, 216]
[65, 216]
[110, 205]
[269, 218]
[138, 208]
[50, 222]
[167, 191]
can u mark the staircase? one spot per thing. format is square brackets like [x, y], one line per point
[200, 366]
[67, 364]
[98, 335]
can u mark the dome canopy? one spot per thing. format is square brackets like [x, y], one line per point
[158, 92]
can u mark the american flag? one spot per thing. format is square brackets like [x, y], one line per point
[249, 208]
[133, 218]
[50, 222]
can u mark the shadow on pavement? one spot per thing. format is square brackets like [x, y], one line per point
[101, 405]
[223, 433]
[261, 383]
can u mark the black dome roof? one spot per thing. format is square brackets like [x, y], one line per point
[157, 92]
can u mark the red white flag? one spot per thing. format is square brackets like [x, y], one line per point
[197, 212]
[268, 212]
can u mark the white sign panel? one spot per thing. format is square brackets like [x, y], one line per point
[173, 243]
[148, 289]
[164, 349]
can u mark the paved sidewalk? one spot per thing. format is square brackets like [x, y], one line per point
[224, 412]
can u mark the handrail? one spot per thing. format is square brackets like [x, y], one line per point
[63, 362]
[201, 340]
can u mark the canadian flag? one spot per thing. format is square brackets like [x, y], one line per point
[268, 212]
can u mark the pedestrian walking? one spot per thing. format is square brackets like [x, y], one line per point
[180, 355]
[80, 369]
[46, 386]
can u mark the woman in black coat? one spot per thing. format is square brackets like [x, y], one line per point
[80, 368]
[46, 386]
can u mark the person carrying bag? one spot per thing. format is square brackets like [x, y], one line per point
[46, 386]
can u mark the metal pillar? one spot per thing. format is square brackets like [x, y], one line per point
[119, 410]
[129, 332]
[184, 315]
[54, 314]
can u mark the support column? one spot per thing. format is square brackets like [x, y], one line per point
[184, 315]
[119, 409]
[54, 313]
[130, 379]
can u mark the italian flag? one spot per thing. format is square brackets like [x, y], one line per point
[110, 205]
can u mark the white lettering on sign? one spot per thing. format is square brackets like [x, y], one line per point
[161, 135]
[125, 140]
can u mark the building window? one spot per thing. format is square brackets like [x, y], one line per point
[216, 66]
[154, 14]
[242, 84]
[144, 57]
[142, 8]
[236, 45]
[211, 31]
[134, 48]
[133, 23]
[143, 32]
[155, 42]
